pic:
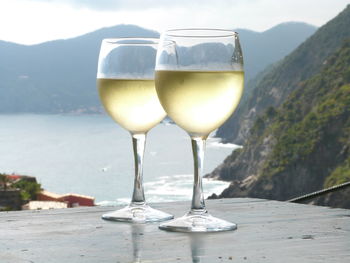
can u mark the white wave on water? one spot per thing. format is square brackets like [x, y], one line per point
[173, 188]
[216, 142]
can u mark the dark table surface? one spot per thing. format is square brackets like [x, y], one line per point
[268, 231]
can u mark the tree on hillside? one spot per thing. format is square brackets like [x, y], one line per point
[3, 181]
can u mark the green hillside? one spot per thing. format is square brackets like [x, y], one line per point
[301, 146]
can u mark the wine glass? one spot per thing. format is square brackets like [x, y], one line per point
[125, 81]
[199, 82]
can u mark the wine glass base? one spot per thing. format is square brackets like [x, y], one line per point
[137, 214]
[192, 222]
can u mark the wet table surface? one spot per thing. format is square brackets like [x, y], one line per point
[268, 231]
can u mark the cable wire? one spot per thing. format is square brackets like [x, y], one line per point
[319, 193]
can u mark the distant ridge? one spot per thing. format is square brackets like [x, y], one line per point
[267, 47]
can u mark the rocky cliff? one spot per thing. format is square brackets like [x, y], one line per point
[301, 141]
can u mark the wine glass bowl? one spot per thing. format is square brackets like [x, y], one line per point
[202, 101]
[125, 81]
[199, 82]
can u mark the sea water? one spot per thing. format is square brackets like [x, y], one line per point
[92, 155]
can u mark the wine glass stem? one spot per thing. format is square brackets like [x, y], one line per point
[138, 143]
[198, 148]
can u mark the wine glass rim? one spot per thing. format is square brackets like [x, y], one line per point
[132, 40]
[200, 32]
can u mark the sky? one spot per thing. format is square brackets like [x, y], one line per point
[35, 21]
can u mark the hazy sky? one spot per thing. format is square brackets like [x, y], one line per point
[35, 21]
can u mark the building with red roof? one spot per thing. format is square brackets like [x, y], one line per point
[72, 200]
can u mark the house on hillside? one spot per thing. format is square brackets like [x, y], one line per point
[72, 200]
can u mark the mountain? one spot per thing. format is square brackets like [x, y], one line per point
[56, 76]
[59, 76]
[273, 86]
[300, 141]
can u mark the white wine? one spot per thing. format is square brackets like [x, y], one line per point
[199, 101]
[131, 103]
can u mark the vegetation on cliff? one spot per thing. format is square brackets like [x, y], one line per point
[315, 118]
[28, 189]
